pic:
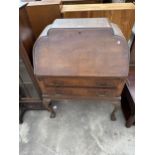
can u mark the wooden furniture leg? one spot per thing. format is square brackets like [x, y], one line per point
[49, 106]
[128, 107]
[128, 99]
[130, 121]
[22, 110]
[29, 104]
[116, 108]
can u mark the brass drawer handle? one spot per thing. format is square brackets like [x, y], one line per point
[56, 84]
[101, 95]
[57, 95]
[104, 85]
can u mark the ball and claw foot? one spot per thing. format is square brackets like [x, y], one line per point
[50, 107]
[130, 121]
[53, 112]
[113, 117]
[53, 115]
[20, 121]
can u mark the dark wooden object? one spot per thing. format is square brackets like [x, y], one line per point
[75, 1]
[81, 58]
[80, 1]
[130, 1]
[25, 32]
[26, 104]
[26, 41]
[128, 99]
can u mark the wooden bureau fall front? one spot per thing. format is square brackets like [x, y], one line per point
[82, 58]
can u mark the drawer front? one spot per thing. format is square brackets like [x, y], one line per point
[83, 82]
[68, 92]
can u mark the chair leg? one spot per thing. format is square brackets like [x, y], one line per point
[21, 114]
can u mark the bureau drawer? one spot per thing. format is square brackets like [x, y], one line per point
[68, 92]
[109, 83]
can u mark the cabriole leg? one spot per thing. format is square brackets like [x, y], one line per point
[113, 114]
[48, 105]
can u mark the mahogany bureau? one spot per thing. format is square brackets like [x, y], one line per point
[85, 58]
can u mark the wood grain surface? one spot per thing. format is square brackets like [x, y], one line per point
[82, 51]
[42, 13]
[25, 32]
[122, 14]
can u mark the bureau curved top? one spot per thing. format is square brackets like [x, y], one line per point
[81, 47]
